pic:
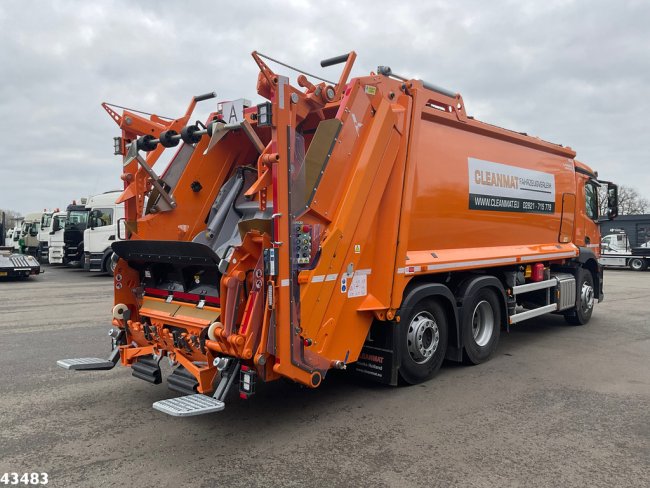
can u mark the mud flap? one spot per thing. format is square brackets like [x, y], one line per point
[379, 358]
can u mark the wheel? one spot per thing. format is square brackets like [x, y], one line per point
[481, 325]
[637, 264]
[423, 342]
[110, 264]
[585, 299]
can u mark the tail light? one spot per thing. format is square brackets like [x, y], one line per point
[537, 273]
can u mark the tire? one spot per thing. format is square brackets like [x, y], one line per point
[481, 325]
[585, 299]
[637, 264]
[423, 342]
[109, 264]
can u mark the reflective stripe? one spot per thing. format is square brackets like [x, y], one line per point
[549, 256]
[318, 279]
[400, 270]
[433, 267]
[331, 277]
[363, 271]
[284, 283]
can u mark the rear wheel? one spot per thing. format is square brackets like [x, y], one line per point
[585, 299]
[637, 264]
[481, 325]
[423, 343]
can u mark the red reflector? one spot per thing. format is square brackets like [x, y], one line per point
[537, 273]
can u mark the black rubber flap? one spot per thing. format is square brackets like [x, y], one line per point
[172, 252]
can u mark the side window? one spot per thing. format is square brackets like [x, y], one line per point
[104, 216]
[591, 200]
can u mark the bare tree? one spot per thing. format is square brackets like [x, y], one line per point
[630, 202]
[10, 217]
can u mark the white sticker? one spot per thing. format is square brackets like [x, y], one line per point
[506, 188]
[233, 112]
[359, 286]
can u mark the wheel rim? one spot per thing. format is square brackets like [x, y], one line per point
[482, 323]
[112, 265]
[587, 297]
[636, 264]
[423, 337]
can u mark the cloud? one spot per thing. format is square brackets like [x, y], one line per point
[572, 72]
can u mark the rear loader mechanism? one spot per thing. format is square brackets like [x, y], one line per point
[208, 271]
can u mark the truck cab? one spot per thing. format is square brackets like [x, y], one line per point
[102, 231]
[17, 235]
[55, 238]
[73, 235]
[31, 229]
[43, 234]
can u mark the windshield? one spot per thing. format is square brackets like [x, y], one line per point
[77, 217]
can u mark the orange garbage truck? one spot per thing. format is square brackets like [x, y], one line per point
[367, 224]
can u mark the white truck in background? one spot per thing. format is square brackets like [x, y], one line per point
[43, 236]
[103, 221]
[55, 242]
[17, 234]
[626, 242]
[31, 230]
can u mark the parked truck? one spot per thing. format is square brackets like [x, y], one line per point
[369, 224]
[17, 234]
[43, 236]
[12, 264]
[104, 218]
[30, 233]
[73, 234]
[55, 243]
[626, 242]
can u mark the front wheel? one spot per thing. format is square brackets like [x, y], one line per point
[423, 342]
[637, 264]
[110, 263]
[585, 299]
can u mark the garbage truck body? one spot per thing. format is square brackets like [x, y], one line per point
[368, 224]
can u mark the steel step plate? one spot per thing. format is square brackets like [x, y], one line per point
[85, 363]
[189, 405]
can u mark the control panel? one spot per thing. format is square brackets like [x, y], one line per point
[302, 242]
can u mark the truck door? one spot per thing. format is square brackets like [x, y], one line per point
[102, 232]
[591, 232]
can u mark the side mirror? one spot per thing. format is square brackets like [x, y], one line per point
[612, 201]
[92, 218]
[56, 225]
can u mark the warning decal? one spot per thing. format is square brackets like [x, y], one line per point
[505, 188]
[359, 286]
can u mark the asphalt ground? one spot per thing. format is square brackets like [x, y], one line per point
[557, 405]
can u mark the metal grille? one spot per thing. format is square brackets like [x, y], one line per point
[20, 261]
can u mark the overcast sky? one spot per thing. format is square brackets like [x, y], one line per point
[572, 72]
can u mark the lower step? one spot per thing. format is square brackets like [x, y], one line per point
[187, 406]
[85, 363]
